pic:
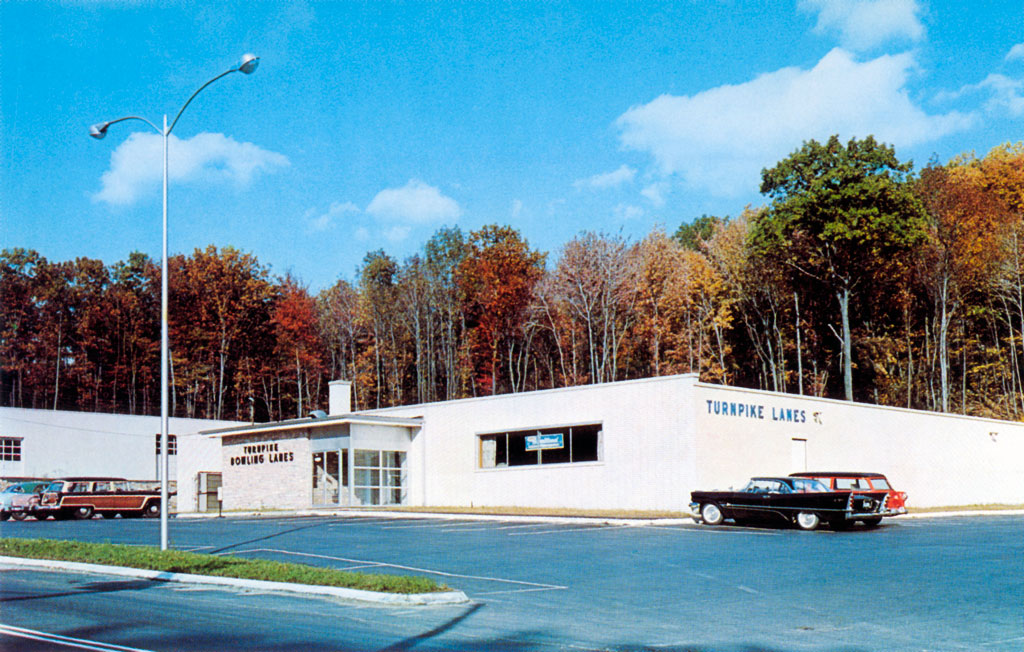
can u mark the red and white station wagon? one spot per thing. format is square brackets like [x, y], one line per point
[895, 503]
[81, 498]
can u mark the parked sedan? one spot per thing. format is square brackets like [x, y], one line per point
[804, 502]
[18, 500]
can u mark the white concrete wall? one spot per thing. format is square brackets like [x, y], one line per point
[61, 443]
[648, 448]
[196, 454]
[938, 459]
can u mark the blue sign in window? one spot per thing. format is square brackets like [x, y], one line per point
[544, 442]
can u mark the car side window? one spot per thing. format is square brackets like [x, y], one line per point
[845, 483]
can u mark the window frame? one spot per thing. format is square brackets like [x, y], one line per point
[172, 444]
[11, 449]
[595, 428]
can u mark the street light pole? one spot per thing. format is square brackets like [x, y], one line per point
[98, 131]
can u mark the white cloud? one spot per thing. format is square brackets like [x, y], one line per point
[656, 193]
[1006, 94]
[136, 166]
[721, 138]
[517, 208]
[1016, 53]
[397, 233]
[334, 212]
[866, 24]
[628, 212]
[415, 202]
[611, 179]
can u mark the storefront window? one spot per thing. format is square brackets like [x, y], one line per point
[378, 477]
[535, 447]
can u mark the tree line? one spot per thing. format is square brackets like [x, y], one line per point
[859, 279]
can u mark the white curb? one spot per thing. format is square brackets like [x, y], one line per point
[405, 599]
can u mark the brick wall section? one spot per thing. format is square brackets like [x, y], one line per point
[272, 472]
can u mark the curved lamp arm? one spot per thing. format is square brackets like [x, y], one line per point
[99, 131]
[247, 66]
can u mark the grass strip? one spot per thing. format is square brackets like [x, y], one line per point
[176, 561]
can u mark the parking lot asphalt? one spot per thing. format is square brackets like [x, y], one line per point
[913, 584]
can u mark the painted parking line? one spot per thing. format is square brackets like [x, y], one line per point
[536, 586]
[568, 529]
[708, 530]
[360, 521]
[418, 525]
[65, 641]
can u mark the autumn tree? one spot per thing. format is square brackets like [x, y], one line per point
[840, 216]
[595, 281]
[337, 321]
[297, 345]
[658, 259]
[964, 233]
[19, 323]
[497, 278]
[377, 307]
[443, 256]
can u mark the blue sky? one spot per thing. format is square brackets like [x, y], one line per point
[372, 125]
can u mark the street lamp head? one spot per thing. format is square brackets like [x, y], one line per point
[98, 131]
[249, 63]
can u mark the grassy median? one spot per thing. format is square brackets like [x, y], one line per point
[175, 561]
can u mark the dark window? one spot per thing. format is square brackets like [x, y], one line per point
[562, 445]
[172, 444]
[10, 449]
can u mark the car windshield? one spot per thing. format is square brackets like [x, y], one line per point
[766, 486]
[808, 485]
[55, 487]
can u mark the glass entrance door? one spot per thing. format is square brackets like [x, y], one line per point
[326, 478]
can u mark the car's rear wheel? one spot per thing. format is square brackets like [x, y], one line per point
[4, 516]
[152, 510]
[874, 521]
[82, 513]
[18, 516]
[807, 521]
[711, 514]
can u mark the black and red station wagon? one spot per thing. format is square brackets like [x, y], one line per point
[895, 503]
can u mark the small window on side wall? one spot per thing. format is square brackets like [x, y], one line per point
[540, 446]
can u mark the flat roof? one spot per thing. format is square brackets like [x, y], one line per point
[315, 422]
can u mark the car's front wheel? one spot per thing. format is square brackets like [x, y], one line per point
[4, 516]
[82, 513]
[711, 514]
[19, 516]
[807, 521]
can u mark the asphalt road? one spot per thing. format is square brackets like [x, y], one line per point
[927, 584]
